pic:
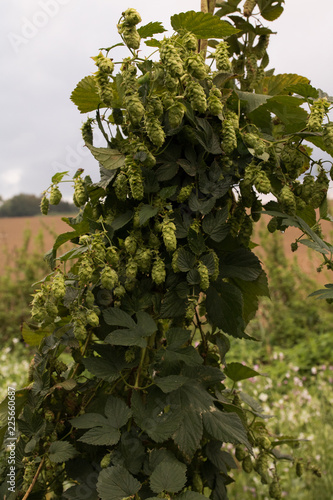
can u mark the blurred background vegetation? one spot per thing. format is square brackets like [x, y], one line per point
[26, 205]
[294, 354]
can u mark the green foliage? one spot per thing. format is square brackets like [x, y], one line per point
[158, 279]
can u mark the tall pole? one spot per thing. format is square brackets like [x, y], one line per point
[207, 6]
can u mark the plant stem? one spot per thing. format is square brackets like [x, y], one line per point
[33, 482]
[138, 373]
[207, 6]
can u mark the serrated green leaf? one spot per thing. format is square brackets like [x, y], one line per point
[303, 89]
[101, 368]
[151, 29]
[170, 383]
[288, 109]
[126, 337]
[106, 177]
[117, 412]
[146, 323]
[117, 317]
[85, 95]
[202, 206]
[101, 436]
[190, 495]
[111, 159]
[172, 305]
[279, 84]
[225, 308]
[185, 260]
[188, 436]
[168, 476]
[251, 291]
[153, 42]
[61, 451]
[226, 427]
[215, 225]
[177, 337]
[146, 212]
[253, 101]
[236, 372]
[193, 277]
[168, 192]
[241, 263]
[33, 337]
[167, 171]
[209, 262]
[88, 420]
[122, 220]
[203, 25]
[116, 483]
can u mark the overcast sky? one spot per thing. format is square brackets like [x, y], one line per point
[46, 47]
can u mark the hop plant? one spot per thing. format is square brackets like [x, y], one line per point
[131, 269]
[44, 205]
[287, 200]
[222, 57]
[190, 42]
[131, 17]
[251, 67]
[196, 95]
[135, 108]
[158, 272]
[196, 67]
[240, 452]
[328, 135]
[273, 225]
[169, 235]
[307, 187]
[92, 318]
[130, 35]
[317, 113]
[134, 178]
[154, 130]
[247, 464]
[86, 130]
[171, 59]
[229, 138]
[90, 299]
[275, 490]
[109, 278]
[112, 256]
[130, 244]
[245, 231]
[261, 47]
[85, 270]
[262, 182]
[103, 63]
[174, 262]
[55, 195]
[175, 114]
[320, 189]
[121, 186]
[58, 287]
[80, 196]
[185, 193]
[255, 142]
[143, 258]
[215, 105]
[204, 276]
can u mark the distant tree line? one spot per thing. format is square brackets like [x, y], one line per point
[23, 205]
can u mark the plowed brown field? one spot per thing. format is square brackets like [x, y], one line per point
[12, 231]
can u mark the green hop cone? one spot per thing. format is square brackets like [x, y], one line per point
[169, 235]
[317, 113]
[85, 271]
[109, 278]
[307, 187]
[51, 309]
[299, 469]
[55, 195]
[135, 108]
[135, 179]
[130, 244]
[154, 130]
[328, 136]
[80, 196]
[104, 64]
[197, 482]
[256, 209]
[261, 47]
[143, 258]
[154, 241]
[175, 114]
[58, 286]
[245, 231]
[87, 132]
[196, 67]
[273, 225]
[112, 256]
[215, 105]
[204, 276]
[158, 272]
[216, 272]
[240, 452]
[44, 205]
[190, 42]
[262, 183]
[106, 461]
[121, 186]
[185, 193]
[255, 142]
[130, 36]
[287, 200]
[131, 17]
[229, 138]
[247, 465]
[196, 95]
[90, 298]
[275, 490]
[119, 291]
[171, 59]
[264, 442]
[92, 318]
[222, 57]
[131, 269]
